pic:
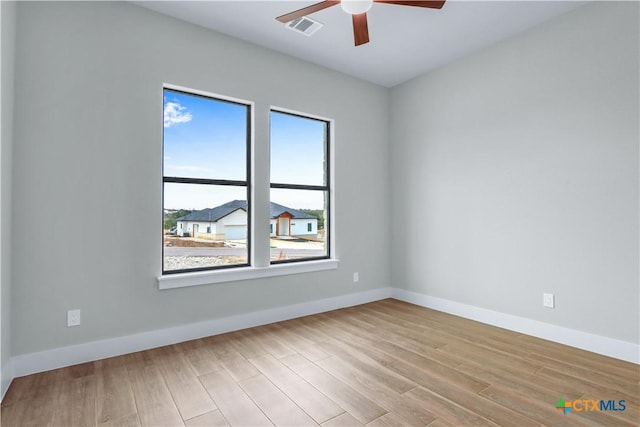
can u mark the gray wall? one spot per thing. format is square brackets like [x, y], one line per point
[87, 169]
[519, 167]
[7, 36]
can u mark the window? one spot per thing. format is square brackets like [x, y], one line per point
[210, 232]
[299, 187]
[206, 175]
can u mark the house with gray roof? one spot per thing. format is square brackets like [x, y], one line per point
[229, 222]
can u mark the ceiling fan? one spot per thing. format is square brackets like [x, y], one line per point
[358, 11]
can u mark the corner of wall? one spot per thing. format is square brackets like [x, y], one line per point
[31, 363]
[7, 377]
[606, 346]
[8, 32]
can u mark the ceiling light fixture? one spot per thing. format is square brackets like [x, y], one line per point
[356, 7]
[358, 11]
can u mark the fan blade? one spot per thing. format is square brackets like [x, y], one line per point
[360, 29]
[307, 10]
[426, 3]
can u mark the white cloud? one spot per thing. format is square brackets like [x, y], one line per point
[175, 113]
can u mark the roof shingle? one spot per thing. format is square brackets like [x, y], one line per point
[214, 214]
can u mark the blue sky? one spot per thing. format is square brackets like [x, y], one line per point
[297, 146]
[205, 138]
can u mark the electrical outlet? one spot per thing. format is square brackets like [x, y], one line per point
[73, 318]
[356, 277]
[547, 300]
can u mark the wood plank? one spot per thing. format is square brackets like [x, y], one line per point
[584, 386]
[431, 322]
[440, 423]
[391, 419]
[129, 421]
[304, 327]
[187, 391]
[41, 386]
[245, 343]
[35, 405]
[395, 329]
[630, 416]
[75, 402]
[412, 411]
[77, 371]
[19, 386]
[526, 383]
[114, 396]
[275, 404]
[370, 344]
[29, 413]
[138, 360]
[312, 401]
[230, 358]
[543, 411]
[301, 345]
[362, 408]
[234, 404]
[344, 420]
[436, 322]
[369, 367]
[490, 358]
[476, 404]
[430, 370]
[153, 399]
[200, 356]
[272, 343]
[447, 410]
[210, 419]
[578, 357]
[602, 377]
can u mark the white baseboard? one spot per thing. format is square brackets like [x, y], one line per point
[65, 356]
[595, 343]
[6, 376]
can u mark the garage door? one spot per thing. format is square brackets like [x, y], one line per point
[235, 232]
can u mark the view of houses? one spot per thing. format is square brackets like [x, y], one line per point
[218, 236]
[229, 222]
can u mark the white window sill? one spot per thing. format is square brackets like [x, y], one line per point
[181, 280]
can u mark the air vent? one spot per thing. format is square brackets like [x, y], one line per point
[305, 25]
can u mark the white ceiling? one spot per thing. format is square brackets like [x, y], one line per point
[405, 41]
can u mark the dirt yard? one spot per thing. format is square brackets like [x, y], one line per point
[190, 242]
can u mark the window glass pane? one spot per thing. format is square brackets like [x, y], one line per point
[204, 226]
[204, 137]
[298, 147]
[297, 224]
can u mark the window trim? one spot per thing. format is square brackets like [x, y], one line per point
[248, 272]
[209, 277]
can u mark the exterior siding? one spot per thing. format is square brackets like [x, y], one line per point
[298, 227]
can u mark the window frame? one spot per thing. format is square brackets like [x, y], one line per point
[247, 183]
[328, 134]
[257, 267]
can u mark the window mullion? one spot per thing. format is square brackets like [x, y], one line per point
[260, 175]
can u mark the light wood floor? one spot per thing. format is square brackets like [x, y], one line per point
[386, 363]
